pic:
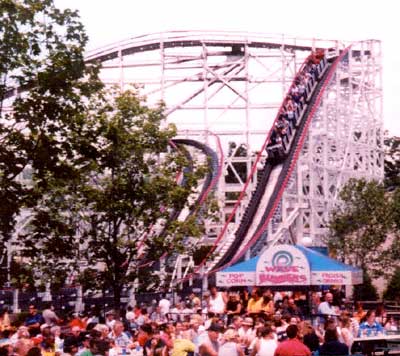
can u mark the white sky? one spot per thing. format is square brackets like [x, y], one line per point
[110, 21]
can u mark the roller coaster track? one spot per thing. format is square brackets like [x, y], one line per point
[241, 244]
[213, 173]
[210, 183]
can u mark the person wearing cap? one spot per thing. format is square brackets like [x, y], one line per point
[110, 319]
[293, 346]
[230, 344]
[246, 332]
[209, 344]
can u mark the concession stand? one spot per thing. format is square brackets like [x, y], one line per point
[289, 265]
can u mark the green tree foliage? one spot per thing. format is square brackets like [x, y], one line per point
[360, 226]
[103, 187]
[392, 291]
[365, 291]
[392, 162]
[41, 57]
[111, 216]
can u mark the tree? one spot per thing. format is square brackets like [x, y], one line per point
[111, 216]
[392, 291]
[365, 291]
[44, 87]
[360, 226]
[392, 162]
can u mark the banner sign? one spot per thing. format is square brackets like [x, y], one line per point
[283, 265]
[227, 279]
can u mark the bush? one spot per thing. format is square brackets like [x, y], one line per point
[365, 291]
[392, 291]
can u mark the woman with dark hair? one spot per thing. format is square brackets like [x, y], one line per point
[310, 337]
[332, 345]
[266, 344]
[267, 304]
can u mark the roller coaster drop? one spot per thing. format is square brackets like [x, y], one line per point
[232, 84]
[222, 87]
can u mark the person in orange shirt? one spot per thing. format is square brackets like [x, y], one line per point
[78, 320]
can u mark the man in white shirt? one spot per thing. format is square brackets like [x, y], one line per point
[326, 309]
[164, 305]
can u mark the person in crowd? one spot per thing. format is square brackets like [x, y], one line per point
[391, 324]
[49, 316]
[292, 309]
[144, 334]
[332, 345]
[194, 331]
[217, 301]
[158, 316]
[280, 326]
[22, 346]
[267, 304]
[130, 318]
[244, 297]
[119, 337]
[78, 320]
[359, 312]
[266, 343]
[164, 304]
[155, 346]
[255, 302]
[233, 306]
[72, 341]
[22, 333]
[380, 314]
[310, 337]
[230, 345]
[47, 346]
[33, 321]
[246, 332]
[4, 319]
[292, 346]
[326, 309]
[370, 326]
[209, 343]
[345, 333]
[110, 319]
[236, 323]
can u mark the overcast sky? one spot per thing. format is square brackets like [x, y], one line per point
[110, 21]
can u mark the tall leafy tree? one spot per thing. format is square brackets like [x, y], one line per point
[44, 85]
[392, 291]
[360, 226]
[111, 216]
[392, 162]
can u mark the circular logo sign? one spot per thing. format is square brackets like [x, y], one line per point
[282, 259]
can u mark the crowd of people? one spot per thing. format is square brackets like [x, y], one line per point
[259, 322]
